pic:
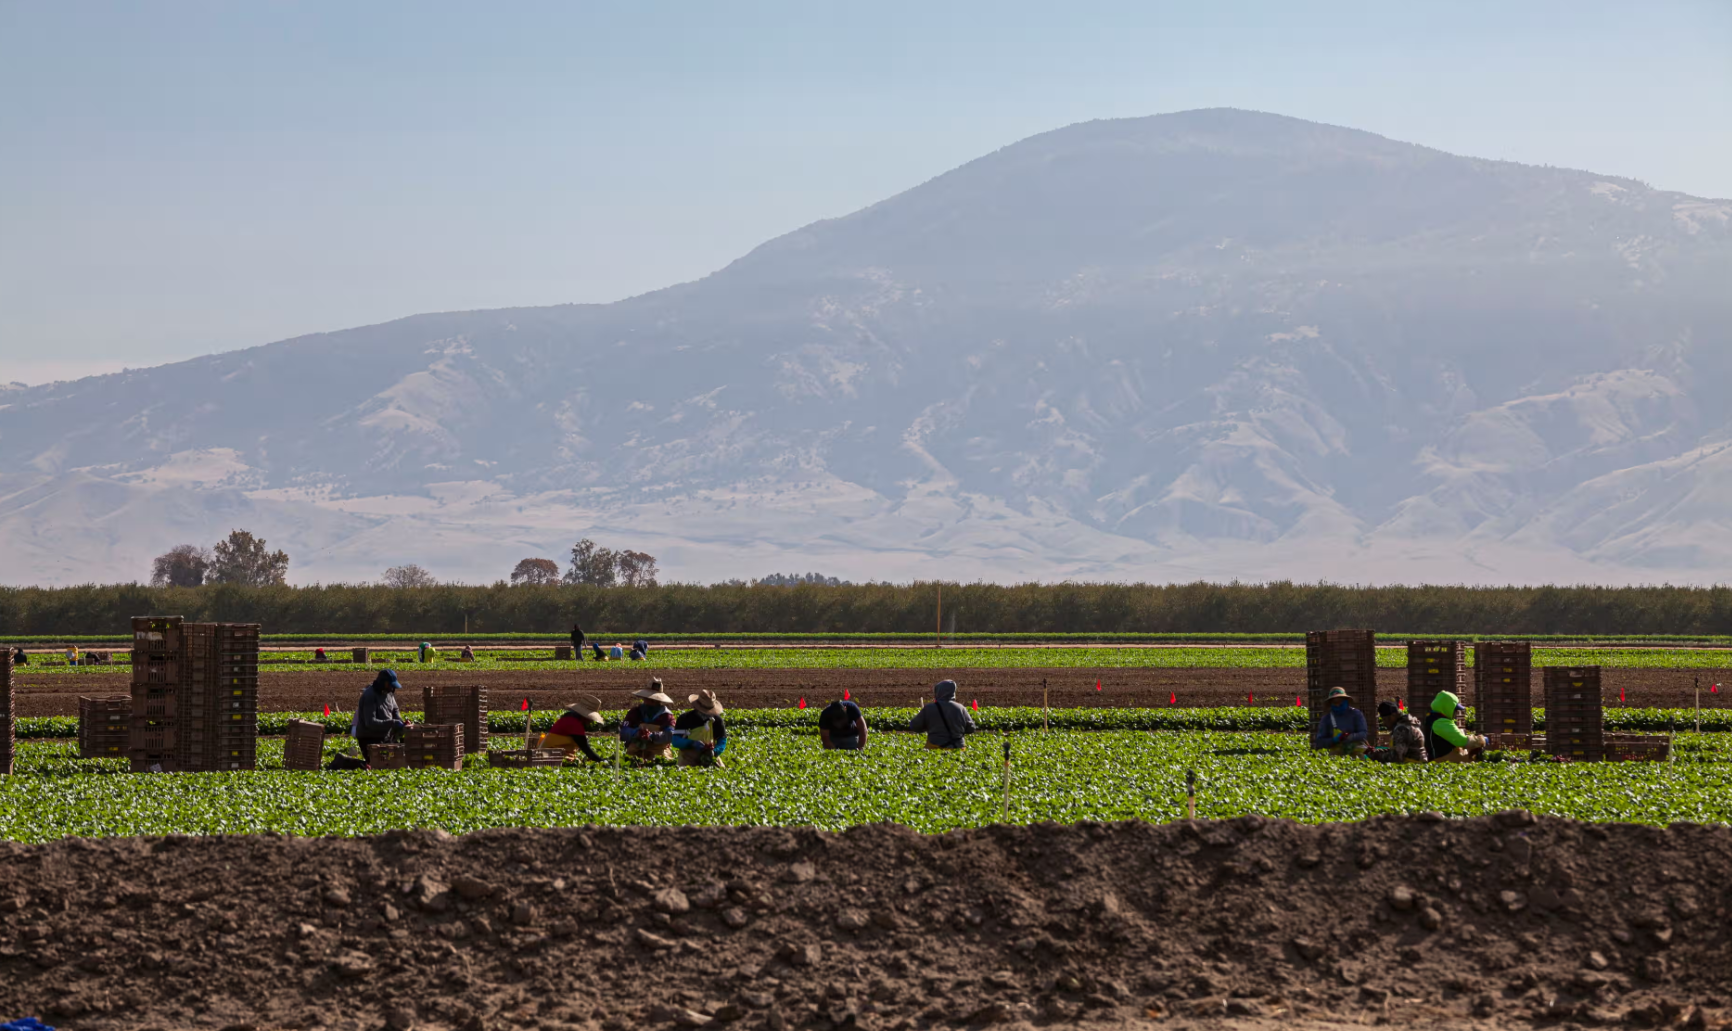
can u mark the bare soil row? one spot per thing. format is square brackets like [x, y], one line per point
[57, 695]
[1496, 922]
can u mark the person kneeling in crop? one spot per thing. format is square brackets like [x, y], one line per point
[842, 725]
[377, 718]
[1342, 729]
[1406, 736]
[700, 736]
[646, 733]
[943, 719]
[571, 731]
[1444, 741]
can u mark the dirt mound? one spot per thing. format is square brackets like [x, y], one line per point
[57, 694]
[1507, 919]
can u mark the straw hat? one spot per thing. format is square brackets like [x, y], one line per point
[653, 693]
[705, 701]
[588, 710]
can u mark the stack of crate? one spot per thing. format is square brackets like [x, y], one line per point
[6, 716]
[159, 668]
[445, 703]
[1575, 713]
[387, 757]
[195, 690]
[104, 726]
[1346, 659]
[1434, 666]
[434, 747]
[1503, 698]
[303, 746]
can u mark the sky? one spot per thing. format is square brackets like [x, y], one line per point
[184, 178]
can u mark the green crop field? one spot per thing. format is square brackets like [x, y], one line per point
[780, 777]
[943, 659]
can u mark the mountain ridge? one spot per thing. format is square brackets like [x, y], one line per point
[1127, 345]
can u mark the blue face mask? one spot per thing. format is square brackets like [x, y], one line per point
[1339, 704]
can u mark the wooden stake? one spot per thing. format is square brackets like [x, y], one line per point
[1190, 794]
[528, 722]
[1004, 816]
[1698, 707]
[938, 630]
[1045, 707]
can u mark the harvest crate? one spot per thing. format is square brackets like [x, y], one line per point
[521, 758]
[437, 746]
[303, 745]
[104, 727]
[154, 764]
[1346, 659]
[151, 737]
[562, 653]
[358, 655]
[1503, 687]
[1575, 713]
[387, 757]
[465, 705]
[152, 701]
[1637, 748]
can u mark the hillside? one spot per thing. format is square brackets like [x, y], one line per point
[1207, 344]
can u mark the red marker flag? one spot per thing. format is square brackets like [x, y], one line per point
[1172, 698]
[524, 707]
[327, 708]
[802, 703]
[1250, 699]
[975, 703]
[1620, 696]
[846, 697]
[1400, 705]
[1298, 703]
[1097, 683]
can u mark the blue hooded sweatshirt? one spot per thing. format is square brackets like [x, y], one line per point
[1345, 718]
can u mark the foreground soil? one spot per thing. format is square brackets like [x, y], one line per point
[57, 694]
[1497, 921]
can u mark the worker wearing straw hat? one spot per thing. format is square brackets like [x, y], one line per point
[699, 735]
[1342, 729]
[571, 731]
[647, 730]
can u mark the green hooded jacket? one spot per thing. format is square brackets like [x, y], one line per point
[1445, 729]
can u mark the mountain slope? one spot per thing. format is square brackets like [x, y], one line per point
[1204, 344]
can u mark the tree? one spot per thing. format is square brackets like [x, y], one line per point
[593, 565]
[637, 569]
[535, 571]
[184, 565]
[242, 559]
[408, 576]
[795, 580]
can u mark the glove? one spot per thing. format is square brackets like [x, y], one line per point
[1476, 742]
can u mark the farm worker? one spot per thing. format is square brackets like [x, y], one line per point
[1444, 741]
[72, 655]
[1406, 736]
[842, 725]
[616, 653]
[19, 658]
[467, 655]
[699, 735]
[571, 731]
[1342, 729]
[599, 655]
[377, 719]
[647, 730]
[427, 651]
[576, 642]
[943, 719]
[318, 655]
[639, 650]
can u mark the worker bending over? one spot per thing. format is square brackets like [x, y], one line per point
[1406, 736]
[646, 733]
[571, 731]
[943, 719]
[700, 736]
[1444, 741]
[1342, 729]
[377, 718]
[842, 725]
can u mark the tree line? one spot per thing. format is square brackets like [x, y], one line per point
[879, 608]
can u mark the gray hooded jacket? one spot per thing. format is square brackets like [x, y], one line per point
[944, 720]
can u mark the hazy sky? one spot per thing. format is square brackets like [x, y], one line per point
[178, 178]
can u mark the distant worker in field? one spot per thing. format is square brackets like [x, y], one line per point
[319, 655]
[377, 718]
[1406, 736]
[1444, 741]
[467, 655]
[842, 725]
[1342, 729]
[72, 655]
[639, 650]
[571, 731]
[576, 643]
[700, 736]
[646, 733]
[427, 652]
[19, 658]
[944, 720]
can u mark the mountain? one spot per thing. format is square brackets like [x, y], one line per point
[1208, 344]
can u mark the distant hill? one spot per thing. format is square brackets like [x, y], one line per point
[1205, 344]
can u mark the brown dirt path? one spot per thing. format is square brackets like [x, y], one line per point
[1407, 921]
[57, 694]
